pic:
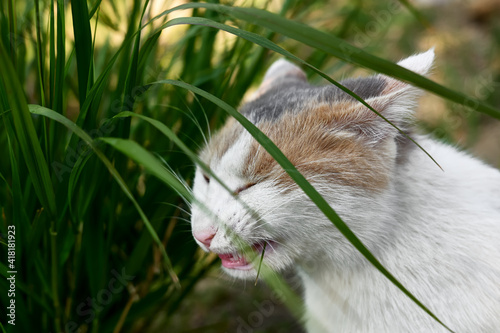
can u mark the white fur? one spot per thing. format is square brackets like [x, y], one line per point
[420, 63]
[440, 237]
[437, 232]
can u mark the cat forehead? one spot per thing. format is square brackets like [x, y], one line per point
[288, 99]
[293, 96]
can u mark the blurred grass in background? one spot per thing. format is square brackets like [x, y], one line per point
[90, 263]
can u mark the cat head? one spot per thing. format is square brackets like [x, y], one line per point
[344, 150]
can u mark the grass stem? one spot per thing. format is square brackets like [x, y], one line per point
[54, 276]
[260, 263]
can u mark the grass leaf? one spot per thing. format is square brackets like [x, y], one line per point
[36, 109]
[151, 163]
[26, 134]
[83, 46]
[257, 39]
[342, 50]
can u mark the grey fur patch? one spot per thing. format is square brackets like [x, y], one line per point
[293, 96]
[404, 147]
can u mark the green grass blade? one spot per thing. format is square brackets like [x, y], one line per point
[61, 59]
[149, 161]
[131, 79]
[260, 263]
[52, 54]
[34, 158]
[83, 45]
[146, 50]
[308, 189]
[20, 217]
[350, 19]
[26, 135]
[36, 109]
[175, 139]
[11, 4]
[100, 83]
[95, 8]
[39, 53]
[72, 183]
[342, 50]
[272, 46]
[418, 15]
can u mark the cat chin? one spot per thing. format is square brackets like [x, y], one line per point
[247, 274]
[250, 273]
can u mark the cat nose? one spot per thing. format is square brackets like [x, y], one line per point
[205, 237]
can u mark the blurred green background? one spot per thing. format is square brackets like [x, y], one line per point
[95, 264]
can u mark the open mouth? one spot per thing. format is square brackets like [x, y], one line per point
[238, 261]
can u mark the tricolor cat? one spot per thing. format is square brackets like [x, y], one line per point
[437, 231]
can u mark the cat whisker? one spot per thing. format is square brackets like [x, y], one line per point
[187, 212]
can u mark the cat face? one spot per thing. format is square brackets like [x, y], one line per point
[342, 148]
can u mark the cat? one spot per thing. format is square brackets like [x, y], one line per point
[437, 231]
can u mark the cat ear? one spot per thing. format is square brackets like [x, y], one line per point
[398, 100]
[393, 99]
[420, 63]
[280, 71]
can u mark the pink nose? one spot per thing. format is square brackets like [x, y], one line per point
[205, 237]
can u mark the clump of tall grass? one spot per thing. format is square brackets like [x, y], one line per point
[99, 137]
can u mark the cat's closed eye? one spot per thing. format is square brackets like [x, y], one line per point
[207, 179]
[237, 191]
[243, 188]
